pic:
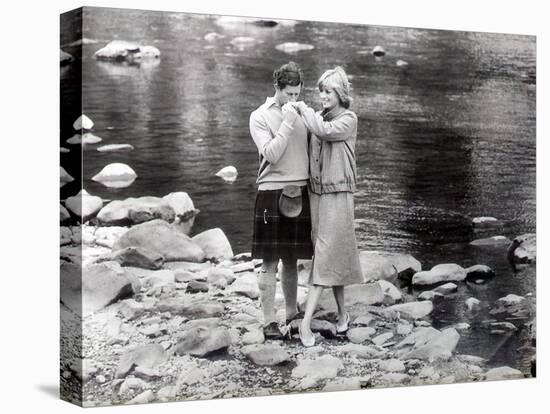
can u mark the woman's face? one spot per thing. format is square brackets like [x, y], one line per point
[329, 98]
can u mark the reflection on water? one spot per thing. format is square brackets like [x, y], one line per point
[448, 137]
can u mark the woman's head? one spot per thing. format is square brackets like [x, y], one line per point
[335, 81]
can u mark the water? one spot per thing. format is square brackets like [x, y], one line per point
[449, 137]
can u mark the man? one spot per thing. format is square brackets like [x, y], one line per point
[281, 139]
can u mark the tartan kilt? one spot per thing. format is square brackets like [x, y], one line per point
[276, 236]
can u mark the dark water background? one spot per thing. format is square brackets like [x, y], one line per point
[445, 139]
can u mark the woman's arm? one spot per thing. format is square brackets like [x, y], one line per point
[338, 130]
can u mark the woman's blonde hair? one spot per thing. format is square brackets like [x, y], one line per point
[337, 80]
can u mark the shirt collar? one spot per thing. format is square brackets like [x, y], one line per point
[333, 113]
[270, 101]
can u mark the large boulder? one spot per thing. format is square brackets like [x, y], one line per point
[448, 272]
[84, 205]
[376, 266]
[145, 356]
[215, 244]
[138, 257]
[116, 175]
[412, 310]
[439, 347]
[123, 51]
[405, 264]
[391, 293]
[158, 236]
[266, 354]
[107, 236]
[365, 294]
[200, 341]
[524, 249]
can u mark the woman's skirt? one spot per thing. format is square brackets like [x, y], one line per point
[336, 259]
[276, 236]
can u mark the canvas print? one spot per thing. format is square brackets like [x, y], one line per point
[255, 206]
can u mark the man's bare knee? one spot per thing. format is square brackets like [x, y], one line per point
[270, 266]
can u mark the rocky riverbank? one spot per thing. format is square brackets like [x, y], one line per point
[166, 316]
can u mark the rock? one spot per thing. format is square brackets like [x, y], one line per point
[161, 212]
[478, 221]
[64, 150]
[182, 205]
[115, 148]
[131, 309]
[65, 236]
[64, 57]
[403, 329]
[495, 241]
[168, 393]
[473, 304]
[246, 285]
[440, 273]
[394, 378]
[439, 347]
[378, 51]
[145, 356]
[364, 320]
[143, 398]
[220, 275]
[343, 384]
[511, 304]
[84, 205]
[412, 310]
[377, 266]
[360, 335]
[392, 365]
[462, 326]
[228, 174]
[446, 289]
[382, 338]
[269, 355]
[391, 293]
[206, 323]
[511, 300]
[130, 386]
[479, 272]
[119, 51]
[324, 367]
[138, 257]
[401, 63]
[194, 376]
[158, 236]
[64, 177]
[214, 243]
[210, 37]
[107, 236]
[64, 215]
[365, 294]
[502, 373]
[84, 139]
[201, 342]
[194, 286]
[116, 175]
[255, 336]
[431, 295]
[83, 122]
[525, 249]
[361, 351]
[505, 326]
[293, 47]
[199, 309]
[419, 337]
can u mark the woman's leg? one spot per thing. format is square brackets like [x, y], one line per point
[313, 295]
[338, 292]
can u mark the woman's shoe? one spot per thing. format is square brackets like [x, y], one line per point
[307, 342]
[342, 327]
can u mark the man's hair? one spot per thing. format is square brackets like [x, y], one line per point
[288, 74]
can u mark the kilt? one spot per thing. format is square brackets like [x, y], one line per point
[276, 236]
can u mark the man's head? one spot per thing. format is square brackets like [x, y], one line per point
[288, 81]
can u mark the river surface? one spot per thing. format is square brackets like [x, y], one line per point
[446, 138]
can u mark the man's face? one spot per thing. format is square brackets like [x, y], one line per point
[288, 94]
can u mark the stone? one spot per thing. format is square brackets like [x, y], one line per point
[168, 393]
[377, 266]
[446, 289]
[145, 356]
[378, 51]
[462, 326]
[64, 57]
[293, 47]
[473, 304]
[479, 221]
[364, 320]
[83, 122]
[401, 63]
[144, 398]
[502, 373]
[159, 277]
[130, 309]
[64, 215]
[206, 323]
[364, 294]
[195, 310]
[116, 175]
[382, 338]
[200, 341]
[138, 257]
[392, 365]
[524, 249]
[229, 173]
[391, 293]
[194, 286]
[130, 386]
[479, 272]
[122, 51]
[246, 285]
[343, 384]
[215, 244]
[64, 177]
[440, 273]
[268, 355]
[107, 236]
[360, 335]
[220, 276]
[324, 367]
[158, 236]
[511, 300]
[405, 264]
[65, 236]
[403, 329]
[194, 376]
[505, 326]
[115, 148]
[162, 212]
[361, 351]
[439, 347]
[420, 336]
[255, 336]
[431, 295]
[412, 310]
[494, 241]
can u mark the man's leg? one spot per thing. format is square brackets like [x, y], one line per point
[267, 282]
[289, 283]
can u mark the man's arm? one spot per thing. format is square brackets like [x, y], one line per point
[271, 147]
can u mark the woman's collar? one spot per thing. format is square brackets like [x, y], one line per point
[333, 113]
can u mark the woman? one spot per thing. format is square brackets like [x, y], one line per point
[331, 186]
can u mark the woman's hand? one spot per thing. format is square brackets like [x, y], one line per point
[289, 113]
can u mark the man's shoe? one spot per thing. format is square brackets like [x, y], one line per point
[272, 331]
[296, 316]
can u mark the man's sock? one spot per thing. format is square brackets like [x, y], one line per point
[267, 283]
